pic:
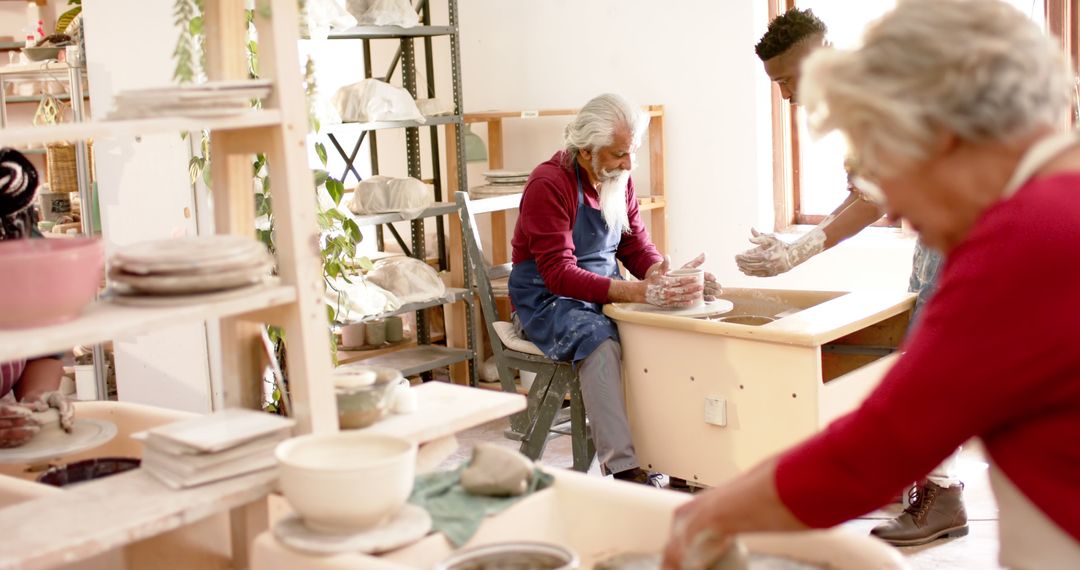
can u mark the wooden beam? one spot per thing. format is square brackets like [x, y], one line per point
[656, 174]
[456, 324]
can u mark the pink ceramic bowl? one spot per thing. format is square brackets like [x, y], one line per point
[48, 281]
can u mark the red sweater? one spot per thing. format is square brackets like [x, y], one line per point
[995, 356]
[544, 232]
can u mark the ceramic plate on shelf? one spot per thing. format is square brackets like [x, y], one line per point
[507, 174]
[408, 525]
[194, 283]
[119, 296]
[52, 442]
[188, 253]
[711, 308]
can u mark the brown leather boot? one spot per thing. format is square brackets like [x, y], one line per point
[935, 512]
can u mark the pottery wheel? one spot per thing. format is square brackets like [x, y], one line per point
[408, 525]
[709, 309]
[52, 442]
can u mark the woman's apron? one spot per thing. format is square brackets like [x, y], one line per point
[564, 328]
[1029, 538]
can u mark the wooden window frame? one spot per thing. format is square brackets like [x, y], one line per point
[1061, 21]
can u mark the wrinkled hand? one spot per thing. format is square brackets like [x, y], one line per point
[17, 425]
[697, 544]
[663, 290]
[58, 402]
[712, 286]
[773, 256]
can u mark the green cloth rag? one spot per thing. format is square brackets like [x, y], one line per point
[458, 514]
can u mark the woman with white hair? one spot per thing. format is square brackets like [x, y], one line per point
[951, 107]
[578, 219]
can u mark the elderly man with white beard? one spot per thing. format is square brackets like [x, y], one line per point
[579, 218]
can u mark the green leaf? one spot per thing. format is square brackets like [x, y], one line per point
[276, 395]
[352, 230]
[331, 314]
[336, 190]
[365, 264]
[195, 26]
[320, 177]
[320, 149]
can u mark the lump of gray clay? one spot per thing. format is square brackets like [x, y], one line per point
[496, 471]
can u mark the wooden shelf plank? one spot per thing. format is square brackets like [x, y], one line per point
[646, 203]
[445, 409]
[384, 32]
[413, 361]
[104, 321]
[21, 136]
[95, 517]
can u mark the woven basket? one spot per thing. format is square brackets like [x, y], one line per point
[63, 174]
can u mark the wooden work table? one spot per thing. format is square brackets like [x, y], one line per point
[589, 516]
[64, 526]
[746, 392]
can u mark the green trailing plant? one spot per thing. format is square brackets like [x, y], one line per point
[340, 235]
[68, 16]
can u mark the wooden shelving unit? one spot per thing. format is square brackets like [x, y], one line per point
[114, 512]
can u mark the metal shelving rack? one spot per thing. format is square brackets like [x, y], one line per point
[421, 359]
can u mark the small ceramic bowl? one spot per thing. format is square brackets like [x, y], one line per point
[48, 281]
[364, 394]
[346, 482]
[500, 556]
[42, 53]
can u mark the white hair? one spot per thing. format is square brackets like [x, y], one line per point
[595, 125]
[979, 69]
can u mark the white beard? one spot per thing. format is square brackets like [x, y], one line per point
[612, 194]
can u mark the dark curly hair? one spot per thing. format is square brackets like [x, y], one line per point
[788, 29]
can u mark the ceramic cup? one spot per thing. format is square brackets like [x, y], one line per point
[352, 335]
[365, 393]
[346, 482]
[699, 278]
[395, 329]
[376, 332]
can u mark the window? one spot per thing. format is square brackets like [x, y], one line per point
[809, 178]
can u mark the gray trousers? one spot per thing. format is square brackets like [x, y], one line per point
[600, 375]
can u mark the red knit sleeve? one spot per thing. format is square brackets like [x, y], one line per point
[966, 372]
[547, 221]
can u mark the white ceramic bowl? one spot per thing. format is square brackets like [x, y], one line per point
[346, 482]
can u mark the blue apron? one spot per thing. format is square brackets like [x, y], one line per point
[564, 328]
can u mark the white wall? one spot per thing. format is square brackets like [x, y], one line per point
[145, 194]
[696, 58]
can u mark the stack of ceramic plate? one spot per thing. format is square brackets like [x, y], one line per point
[213, 99]
[506, 177]
[188, 266]
[501, 182]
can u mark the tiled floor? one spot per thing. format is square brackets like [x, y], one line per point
[977, 550]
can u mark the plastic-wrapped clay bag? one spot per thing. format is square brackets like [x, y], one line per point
[382, 194]
[321, 16]
[409, 279]
[374, 100]
[384, 13]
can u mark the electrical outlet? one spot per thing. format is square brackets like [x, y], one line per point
[716, 411]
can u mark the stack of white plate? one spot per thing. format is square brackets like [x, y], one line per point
[507, 177]
[501, 182]
[212, 99]
[188, 266]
